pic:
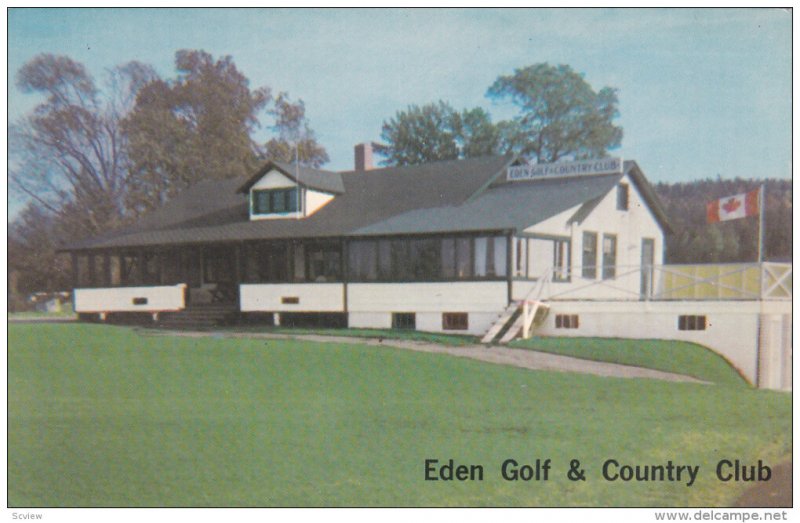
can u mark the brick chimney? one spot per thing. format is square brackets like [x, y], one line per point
[363, 156]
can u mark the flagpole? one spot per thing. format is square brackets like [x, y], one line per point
[297, 177]
[761, 223]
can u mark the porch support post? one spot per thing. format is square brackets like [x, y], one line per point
[107, 269]
[74, 256]
[237, 261]
[509, 265]
[141, 275]
[92, 268]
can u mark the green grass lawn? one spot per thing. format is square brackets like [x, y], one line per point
[457, 340]
[66, 312]
[106, 416]
[671, 356]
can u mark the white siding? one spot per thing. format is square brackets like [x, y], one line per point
[371, 304]
[427, 297]
[120, 299]
[629, 227]
[316, 200]
[312, 297]
[273, 180]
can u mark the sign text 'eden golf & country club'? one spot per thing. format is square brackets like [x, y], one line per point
[557, 170]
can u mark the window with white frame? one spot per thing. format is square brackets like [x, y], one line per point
[609, 256]
[589, 269]
[274, 201]
[561, 260]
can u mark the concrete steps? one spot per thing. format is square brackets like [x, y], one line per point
[199, 316]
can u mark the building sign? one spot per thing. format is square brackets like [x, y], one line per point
[556, 170]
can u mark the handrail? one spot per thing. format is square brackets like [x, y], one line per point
[539, 287]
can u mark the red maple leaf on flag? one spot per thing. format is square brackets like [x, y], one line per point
[731, 205]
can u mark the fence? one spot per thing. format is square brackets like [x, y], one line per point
[717, 282]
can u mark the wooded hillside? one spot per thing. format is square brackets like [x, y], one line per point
[695, 241]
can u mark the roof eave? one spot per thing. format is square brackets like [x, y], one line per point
[245, 188]
[649, 194]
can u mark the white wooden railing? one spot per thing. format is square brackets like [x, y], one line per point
[679, 282]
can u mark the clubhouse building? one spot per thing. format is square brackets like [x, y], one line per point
[486, 246]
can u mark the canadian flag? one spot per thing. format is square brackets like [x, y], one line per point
[733, 207]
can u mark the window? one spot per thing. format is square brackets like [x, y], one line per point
[363, 260]
[82, 271]
[151, 274]
[385, 260]
[521, 257]
[130, 269]
[566, 321]
[400, 260]
[217, 266]
[323, 262]
[425, 259]
[490, 257]
[274, 201]
[448, 258]
[404, 320]
[455, 321]
[481, 258]
[496, 256]
[609, 256]
[623, 192]
[91, 270]
[115, 271]
[266, 262]
[561, 260]
[428, 259]
[691, 323]
[533, 270]
[463, 257]
[102, 275]
[170, 267]
[589, 255]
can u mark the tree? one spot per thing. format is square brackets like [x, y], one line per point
[33, 238]
[293, 132]
[475, 134]
[436, 132]
[696, 241]
[200, 126]
[193, 128]
[70, 151]
[560, 114]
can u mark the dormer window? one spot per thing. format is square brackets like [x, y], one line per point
[274, 201]
[281, 191]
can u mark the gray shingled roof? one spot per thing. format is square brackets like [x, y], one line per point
[514, 205]
[448, 196]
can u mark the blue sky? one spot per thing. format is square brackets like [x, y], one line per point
[702, 92]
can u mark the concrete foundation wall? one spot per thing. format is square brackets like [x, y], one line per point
[775, 357]
[735, 330]
[478, 322]
[369, 320]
